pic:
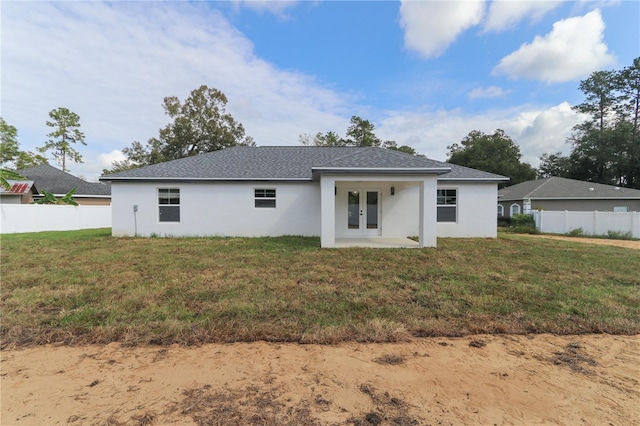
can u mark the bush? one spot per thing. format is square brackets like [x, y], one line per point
[504, 221]
[577, 232]
[523, 220]
[524, 229]
[523, 224]
[619, 235]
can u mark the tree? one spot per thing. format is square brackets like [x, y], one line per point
[9, 147]
[496, 153]
[360, 133]
[606, 147]
[628, 83]
[28, 159]
[49, 198]
[554, 165]
[11, 157]
[200, 124]
[6, 175]
[66, 131]
[403, 148]
[322, 139]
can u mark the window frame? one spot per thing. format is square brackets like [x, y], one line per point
[447, 205]
[169, 205]
[511, 212]
[500, 210]
[265, 198]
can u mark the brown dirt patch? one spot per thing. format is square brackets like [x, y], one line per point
[599, 241]
[542, 379]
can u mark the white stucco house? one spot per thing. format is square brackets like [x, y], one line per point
[337, 193]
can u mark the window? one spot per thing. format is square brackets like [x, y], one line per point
[447, 205]
[515, 209]
[265, 198]
[500, 210]
[622, 209]
[169, 204]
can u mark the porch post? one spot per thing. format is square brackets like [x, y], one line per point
[327, 211]
[428, 212]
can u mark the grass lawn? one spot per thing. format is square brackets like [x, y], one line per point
[88, 287]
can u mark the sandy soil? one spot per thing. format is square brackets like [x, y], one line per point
[601, 241]
[543, 379]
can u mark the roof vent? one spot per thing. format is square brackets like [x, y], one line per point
[592, 189]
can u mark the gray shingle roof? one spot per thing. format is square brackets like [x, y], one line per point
[289, 163]
[57, 182]
[563, 188]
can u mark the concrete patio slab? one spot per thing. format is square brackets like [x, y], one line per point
[377, 242]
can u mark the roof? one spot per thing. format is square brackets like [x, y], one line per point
[294, 163]
[48, 178]
[18, 187]
[563, 188]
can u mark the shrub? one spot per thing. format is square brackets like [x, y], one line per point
[524, 229]
[619, 235]
[523, 220]
[504, 221]
[523, 224]
[577, 232]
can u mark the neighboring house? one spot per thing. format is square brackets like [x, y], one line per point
[20, 192]
[332, 192]
[559, 194]
[48, 178]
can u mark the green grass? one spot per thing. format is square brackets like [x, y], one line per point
[88, 287]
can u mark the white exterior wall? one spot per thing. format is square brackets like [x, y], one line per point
[227, 208]
[476, 211]
[217, 209]
[477, 217]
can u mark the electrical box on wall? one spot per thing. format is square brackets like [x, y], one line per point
[135, 207]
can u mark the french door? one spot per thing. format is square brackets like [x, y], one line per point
[363, 212]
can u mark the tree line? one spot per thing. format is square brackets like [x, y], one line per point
[605, 148]
[65, 132]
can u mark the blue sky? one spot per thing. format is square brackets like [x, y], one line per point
[425, 73]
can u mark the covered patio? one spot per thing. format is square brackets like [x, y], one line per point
[385, 196]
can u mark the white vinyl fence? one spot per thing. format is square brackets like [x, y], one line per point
[592, 223]
[17, 218]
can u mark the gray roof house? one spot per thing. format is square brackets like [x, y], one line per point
[53, 180]
[345, 195]
[560, 194]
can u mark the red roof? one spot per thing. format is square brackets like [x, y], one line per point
[19, 187]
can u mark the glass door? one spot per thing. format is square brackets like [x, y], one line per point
[363, 212]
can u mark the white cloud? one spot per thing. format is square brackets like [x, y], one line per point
[488, 92]
[573, 49]
[113, 63]
[431, 26]
[504, 15]
[535, 130]
[106, 159]
[277, 7]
